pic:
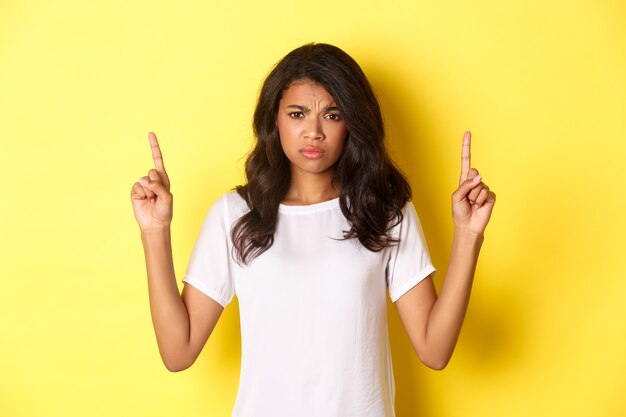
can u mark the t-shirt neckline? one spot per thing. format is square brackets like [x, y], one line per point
[324, 205]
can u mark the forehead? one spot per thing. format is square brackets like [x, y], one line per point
[306, 91]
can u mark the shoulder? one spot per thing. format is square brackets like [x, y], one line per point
[408, 214]
[408, 223]
[224, 212]
[230, 205]
[409, 211]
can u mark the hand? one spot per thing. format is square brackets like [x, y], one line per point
[472, 202]
[151, 197]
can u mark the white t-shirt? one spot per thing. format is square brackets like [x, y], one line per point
[312, 309]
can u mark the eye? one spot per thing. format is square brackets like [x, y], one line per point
[333, 116]
[296, 114]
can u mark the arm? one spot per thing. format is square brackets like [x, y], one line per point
[182, 324]
[434, 323]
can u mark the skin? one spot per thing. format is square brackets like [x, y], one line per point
[308, 116]
[433, 322]
[184, 322]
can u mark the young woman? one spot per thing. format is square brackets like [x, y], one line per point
[310, 245]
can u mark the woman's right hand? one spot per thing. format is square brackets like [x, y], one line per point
[151, 197]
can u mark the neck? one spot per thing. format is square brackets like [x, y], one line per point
[307, 188]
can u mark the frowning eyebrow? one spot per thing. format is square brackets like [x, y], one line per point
[304, 109]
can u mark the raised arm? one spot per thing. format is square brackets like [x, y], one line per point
[434, 323]
[182, 324]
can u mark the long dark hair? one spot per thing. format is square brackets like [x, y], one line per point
[373, 190]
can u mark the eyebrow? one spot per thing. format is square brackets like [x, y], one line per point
[306, 109]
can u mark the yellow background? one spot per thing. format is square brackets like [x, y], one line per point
[542, 86]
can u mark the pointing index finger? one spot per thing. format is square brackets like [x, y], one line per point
[156, 153]
[466, 156]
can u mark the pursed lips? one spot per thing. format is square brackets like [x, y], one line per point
[312, 151]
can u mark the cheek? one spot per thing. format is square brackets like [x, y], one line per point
[286, 130]
[340, 134]
[282, 130]
[287, 135]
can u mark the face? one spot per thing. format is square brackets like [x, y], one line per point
[312, 131]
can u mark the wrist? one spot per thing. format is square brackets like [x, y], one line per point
[466, 234]
[155, 232]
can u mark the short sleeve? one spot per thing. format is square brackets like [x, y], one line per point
[210, 269]
[409, 261]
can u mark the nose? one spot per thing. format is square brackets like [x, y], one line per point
[313, 129]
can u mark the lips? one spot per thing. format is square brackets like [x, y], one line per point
[312, 152]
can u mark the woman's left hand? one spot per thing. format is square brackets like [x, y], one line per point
[473, 201]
